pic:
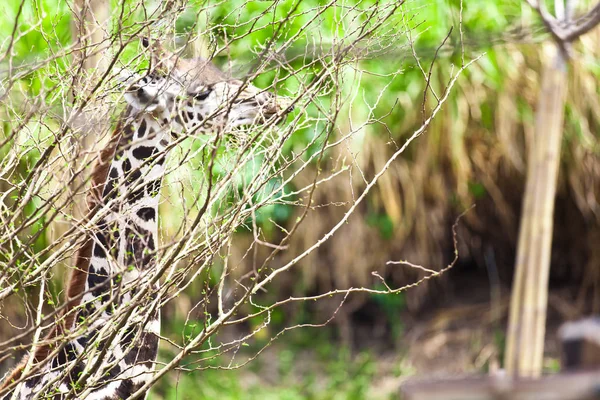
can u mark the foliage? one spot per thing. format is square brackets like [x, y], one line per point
[474, 152]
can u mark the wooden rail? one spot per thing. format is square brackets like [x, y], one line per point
[569, 386]
[580, 357]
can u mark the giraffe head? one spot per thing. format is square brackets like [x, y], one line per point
[194, 95]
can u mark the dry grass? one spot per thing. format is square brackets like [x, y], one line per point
[474, 153]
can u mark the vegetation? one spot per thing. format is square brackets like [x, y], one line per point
[473, 153]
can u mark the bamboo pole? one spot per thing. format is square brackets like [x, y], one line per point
[549, 132]
[527, 319]
[526, 330]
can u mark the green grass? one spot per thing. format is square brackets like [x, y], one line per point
[289, 370]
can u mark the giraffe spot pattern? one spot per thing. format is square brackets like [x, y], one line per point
[74, 374]
[126, 166]
[141, 95]
[128, 134]
[151, 243]
[65, 355]
[190, 115]
[109, 187]
[83, 340]
[154, 188]
[144, 152]
[146, 213]
[99, 283]
[97, 280]
[31, 382]
[100, 245]
[88, 309]
[204, 94]
[134, 176]
[142, 129]
[114, 235]
[113, 372]
[145, 352]
[127, 387]
[137, 242]
[136, 195]
[128, 336]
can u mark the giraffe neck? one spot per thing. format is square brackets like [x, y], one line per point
[124, 253]
[125, 240]
[122, 258]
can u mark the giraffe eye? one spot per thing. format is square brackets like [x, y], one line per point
[203, 95]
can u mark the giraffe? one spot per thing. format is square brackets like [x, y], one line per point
[103, 357]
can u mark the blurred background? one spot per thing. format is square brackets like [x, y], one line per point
[473, 153]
